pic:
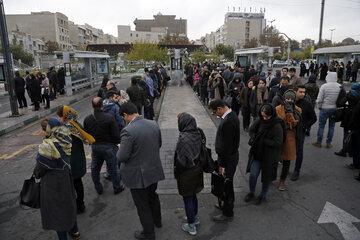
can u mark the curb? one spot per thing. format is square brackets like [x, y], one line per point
[31, 119]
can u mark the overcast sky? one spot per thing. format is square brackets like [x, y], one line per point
[299, 19]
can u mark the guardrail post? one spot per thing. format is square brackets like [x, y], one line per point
[68, 82]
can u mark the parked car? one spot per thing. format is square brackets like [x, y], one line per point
[139, 73]
[278, 63]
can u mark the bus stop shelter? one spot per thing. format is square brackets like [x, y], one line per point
[350, 52]
[83, 68]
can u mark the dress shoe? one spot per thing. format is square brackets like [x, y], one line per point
[340, 153]
[119, 190]
[249, 197]
[222, 218]
[351, 166]
[259, 200]
[142, 235]
[158, 225]
[99, 190]
[316, 144]
[357, 178]
[295, 176]
[80, 208]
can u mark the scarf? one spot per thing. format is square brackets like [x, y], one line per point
[55, 151]
[355, 90]
[70, 119]
[261, 94]
[189, 143]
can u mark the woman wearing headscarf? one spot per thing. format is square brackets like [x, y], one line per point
[77, 160]
[258, 97]
[291, 115]
[57, 197]
[235, 87]
[349, 101]
[187, 169]
[266, 140]
[245, 104]
[219, 87]
[323, 71]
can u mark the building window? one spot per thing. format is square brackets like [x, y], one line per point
[29, 37]
[30, 47]
[247, 24]
[136, 35]
[61, 21]
[34, 43]
[130, 34]
[148, 36]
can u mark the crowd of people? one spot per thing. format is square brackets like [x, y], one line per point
[40, 87]
[277, 110]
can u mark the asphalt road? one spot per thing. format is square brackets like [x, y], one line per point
[292, 214]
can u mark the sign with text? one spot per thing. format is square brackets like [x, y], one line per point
[102, 67]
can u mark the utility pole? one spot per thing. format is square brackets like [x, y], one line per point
[321, 21]
[9, 75]
[332, 33]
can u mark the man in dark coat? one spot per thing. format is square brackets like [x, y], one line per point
[61, 80]
[103, 127]
[276, 93]
[308, 119]
[141, 168]
[136, 94]
[226, 146]
[20, 90]
[35, 90]
[52, 76]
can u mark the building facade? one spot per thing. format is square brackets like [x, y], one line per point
[43, 25]
[307, 42]
[238, 28]
[126, 35]
[34, 46]
[172, 25]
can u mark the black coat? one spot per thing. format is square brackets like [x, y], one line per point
[351, 102]
[35, 89]
[270, 143]
[19, 85]
[57, 197]
[308, 114]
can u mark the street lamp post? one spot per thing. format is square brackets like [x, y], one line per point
[288, 52]
[271, 29]
[9, 75]
[333, 29]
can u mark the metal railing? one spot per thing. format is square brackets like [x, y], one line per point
[84, 82]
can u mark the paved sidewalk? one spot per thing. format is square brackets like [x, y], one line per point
[176, 100]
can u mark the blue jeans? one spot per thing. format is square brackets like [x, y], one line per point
[324, 115]
[254, 174]
[191, 208]
[300, 153]
[63, 235]
[100, 153]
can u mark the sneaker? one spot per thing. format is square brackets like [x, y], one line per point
[197, 220]
[295, 176]
[282, 186]
[316, 144]
[222, 218]
[187, 228]
[329, 145]
[99, 190]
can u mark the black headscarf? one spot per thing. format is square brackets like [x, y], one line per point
[189, 143]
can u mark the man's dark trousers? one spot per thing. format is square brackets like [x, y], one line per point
[300, 153]
[148, 207]
[21, 99]
[230, 169]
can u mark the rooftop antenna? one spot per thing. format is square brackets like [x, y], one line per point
[250, 9]
[228, 9]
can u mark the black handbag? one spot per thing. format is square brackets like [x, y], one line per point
[338, 115]
[30, 193]
[206, 160]
[217, 185]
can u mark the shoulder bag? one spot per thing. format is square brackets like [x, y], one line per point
[30, 193]
[206, 160]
